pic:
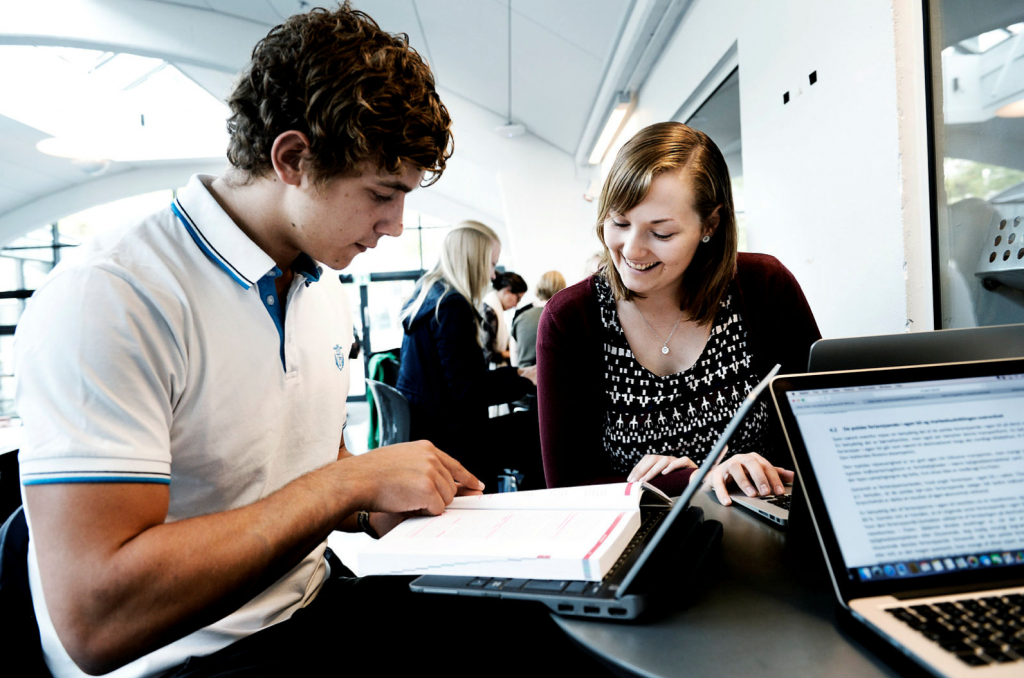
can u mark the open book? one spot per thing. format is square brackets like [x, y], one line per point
[566, 533]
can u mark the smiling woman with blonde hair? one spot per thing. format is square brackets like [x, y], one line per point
[642, 365]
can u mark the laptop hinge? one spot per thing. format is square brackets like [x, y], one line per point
[953, 590]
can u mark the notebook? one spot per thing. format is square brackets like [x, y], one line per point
[675, 540]
[914, 477]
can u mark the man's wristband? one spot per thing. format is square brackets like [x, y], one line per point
[363, 520]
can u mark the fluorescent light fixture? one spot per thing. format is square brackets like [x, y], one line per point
[1014, 110]
[611, 128]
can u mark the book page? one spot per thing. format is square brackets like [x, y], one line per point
[533, 543]
[623, 496]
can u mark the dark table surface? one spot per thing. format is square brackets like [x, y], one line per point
[767, 608]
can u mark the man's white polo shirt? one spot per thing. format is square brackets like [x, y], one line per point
[157, 355]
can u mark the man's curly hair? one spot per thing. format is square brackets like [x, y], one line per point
[357, 92]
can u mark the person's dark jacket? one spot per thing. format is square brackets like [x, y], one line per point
[570, 366]
[444, 377]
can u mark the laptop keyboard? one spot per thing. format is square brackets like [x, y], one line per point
[782, 501]
[979, 631]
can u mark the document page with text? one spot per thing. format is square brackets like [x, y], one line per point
[931, 471]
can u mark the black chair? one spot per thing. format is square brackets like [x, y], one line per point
[392, 413]
[20, 638]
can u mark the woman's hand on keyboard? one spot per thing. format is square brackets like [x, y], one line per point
[752, 473]
[653, 465]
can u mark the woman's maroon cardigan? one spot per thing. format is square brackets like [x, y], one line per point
[570, 366]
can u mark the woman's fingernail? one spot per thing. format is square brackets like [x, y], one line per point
[765, 489]
[779, 489]
[750, 490]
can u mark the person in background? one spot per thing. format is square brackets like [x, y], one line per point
[524, 325]
[443, 373]
[507, 291]
[641, 366]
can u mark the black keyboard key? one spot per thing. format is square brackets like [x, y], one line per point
[902, 614]
[972, 606]
[514, 584]
[948, 609]
[955, 646]
[495, 584]
[478, 583]
[972, 659]
[925, 611]
[593, 590]
[545, 585]
[1001, 657]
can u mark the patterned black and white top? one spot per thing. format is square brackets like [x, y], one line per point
[681, 414]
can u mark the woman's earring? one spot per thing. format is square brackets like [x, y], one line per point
[706, 238]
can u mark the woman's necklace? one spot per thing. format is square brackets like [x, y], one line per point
[664, 344]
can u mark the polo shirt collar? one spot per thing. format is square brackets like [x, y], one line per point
[222, 241]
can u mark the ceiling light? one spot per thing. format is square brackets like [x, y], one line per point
[511, 130]
[1014, 110]
[623, 106]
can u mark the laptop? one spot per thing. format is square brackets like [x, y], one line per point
[917, 348]
[892, 350]
[675, 540]
[914, 477]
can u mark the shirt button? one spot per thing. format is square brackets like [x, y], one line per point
[270, 300]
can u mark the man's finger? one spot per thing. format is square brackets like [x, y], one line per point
[459, 472]
[786, 475]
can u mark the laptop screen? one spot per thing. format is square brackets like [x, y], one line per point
[919, 478]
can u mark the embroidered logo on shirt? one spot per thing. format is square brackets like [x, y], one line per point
[339, 357]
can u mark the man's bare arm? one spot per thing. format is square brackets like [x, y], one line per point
[119, 582]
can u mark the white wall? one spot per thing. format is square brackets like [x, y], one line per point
[829, 189]
[524, 187]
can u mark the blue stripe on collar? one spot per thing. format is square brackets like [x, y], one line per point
[305, 265]
[208, 249]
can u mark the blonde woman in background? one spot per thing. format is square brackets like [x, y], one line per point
[524, 325]
[443, 373]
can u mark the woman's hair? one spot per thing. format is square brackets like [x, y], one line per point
[668, 147]
[550, 284]
[513, 281]
[356, 92]
[464, 266]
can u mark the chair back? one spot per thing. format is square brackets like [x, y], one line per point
[392, 409]
[21, 635]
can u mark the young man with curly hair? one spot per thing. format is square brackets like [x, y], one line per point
[183, 386]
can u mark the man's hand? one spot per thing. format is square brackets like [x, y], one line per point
[408, 477]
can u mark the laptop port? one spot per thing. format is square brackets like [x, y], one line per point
[590, 609]
[565, 608]
[617, 611]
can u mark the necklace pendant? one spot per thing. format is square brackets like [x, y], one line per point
[664, 349]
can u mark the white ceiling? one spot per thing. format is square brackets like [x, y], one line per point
[560, 50]
[559, 58]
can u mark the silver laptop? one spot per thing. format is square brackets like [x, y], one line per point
[773, 508]
[915, 480]
[627, 590]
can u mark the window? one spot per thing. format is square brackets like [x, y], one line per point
[977, 117]
[719, 118]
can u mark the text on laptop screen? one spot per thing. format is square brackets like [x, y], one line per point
[922, 477]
